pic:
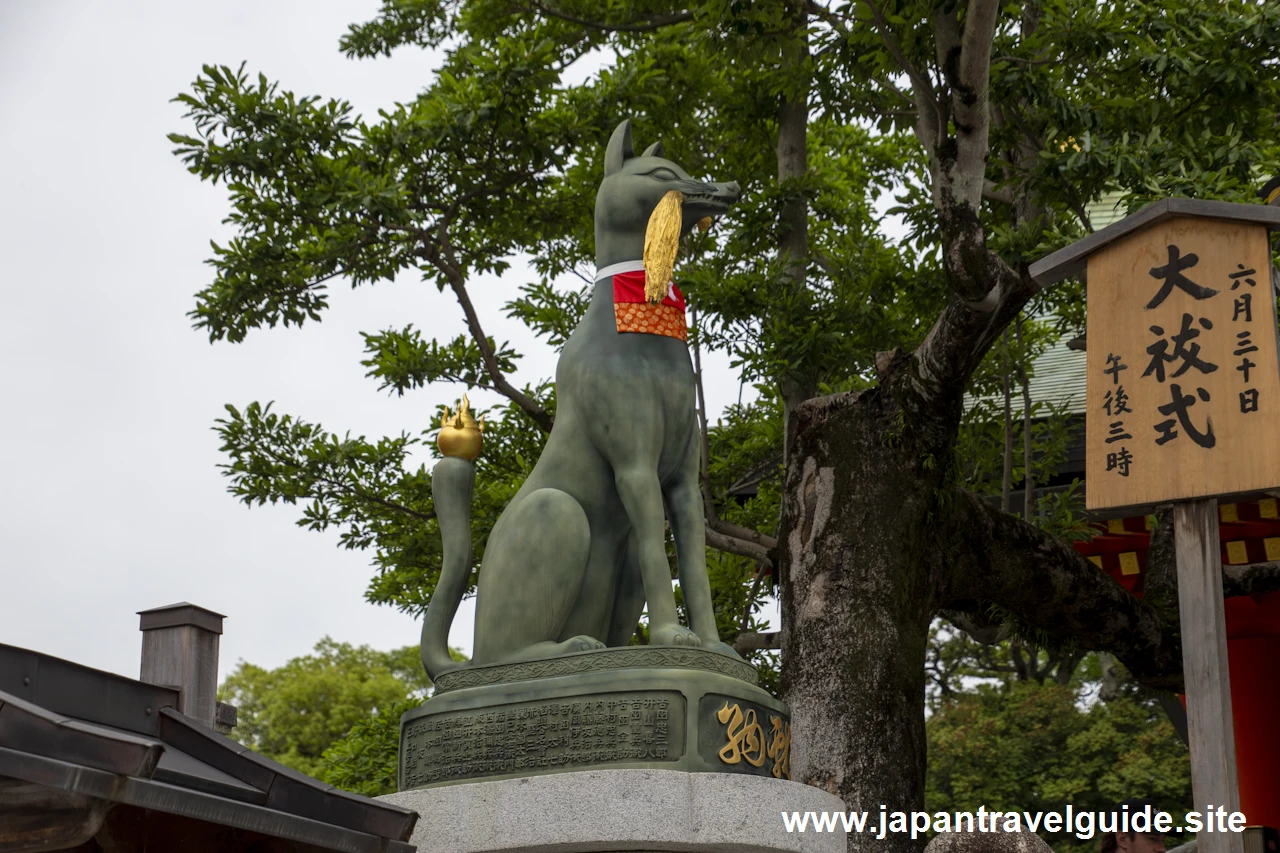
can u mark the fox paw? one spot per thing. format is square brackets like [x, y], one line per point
[722, 648]
[582, 643]
[673, 635]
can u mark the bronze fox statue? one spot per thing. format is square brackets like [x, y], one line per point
[580, 549]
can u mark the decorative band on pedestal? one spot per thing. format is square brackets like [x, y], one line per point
[598, 661]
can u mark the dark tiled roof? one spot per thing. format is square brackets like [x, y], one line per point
[84, 732]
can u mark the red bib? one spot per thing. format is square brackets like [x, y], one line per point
[634, 314]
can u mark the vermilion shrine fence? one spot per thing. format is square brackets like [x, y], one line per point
[1250, 533]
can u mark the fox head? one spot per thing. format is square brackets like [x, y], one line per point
[633, 186]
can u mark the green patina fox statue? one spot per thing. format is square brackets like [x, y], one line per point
[581, 547]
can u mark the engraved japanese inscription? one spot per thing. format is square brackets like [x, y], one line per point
[556, 734]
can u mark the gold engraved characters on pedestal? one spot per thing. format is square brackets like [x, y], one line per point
[460, 433]
[745, 734]
[746, 740]
[780, 747]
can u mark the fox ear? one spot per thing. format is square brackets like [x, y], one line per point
[619, 150]
[654, 150]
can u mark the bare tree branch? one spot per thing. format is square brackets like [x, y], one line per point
[737, 531]
[978, 629]
[1000, 559]
[741, 547]
[975, 47]
[964, 331]
[754, 642]
[993, 193]
[531, 407]
[964, 57]
[1256, 579]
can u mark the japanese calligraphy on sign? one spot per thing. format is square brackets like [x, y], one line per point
[1183, 380]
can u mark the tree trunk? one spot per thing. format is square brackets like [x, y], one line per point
[1028, 482]
[793, 226]
[857, 597]
[1110, 688]
[1006, 482]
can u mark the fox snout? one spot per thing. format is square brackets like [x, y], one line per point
[634, 185]
[707, 199]
[625, 202]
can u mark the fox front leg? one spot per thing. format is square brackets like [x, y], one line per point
[688, 528]
[641, 496]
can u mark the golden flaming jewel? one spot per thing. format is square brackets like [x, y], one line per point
[460, 433]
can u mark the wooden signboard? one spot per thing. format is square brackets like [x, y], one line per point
[1183, 389]
[1183, 394]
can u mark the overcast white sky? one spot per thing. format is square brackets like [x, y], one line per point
[110, 501]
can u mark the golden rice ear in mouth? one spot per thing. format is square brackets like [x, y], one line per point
[661, 240]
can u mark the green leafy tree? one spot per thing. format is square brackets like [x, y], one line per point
[1029, 747]
[366, 760]
[994, 126]
[294, 713]
[1020, 725]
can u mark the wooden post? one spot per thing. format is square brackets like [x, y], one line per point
[1204, 665]
[180, 649]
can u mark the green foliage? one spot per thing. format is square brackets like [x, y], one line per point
[294, 713]
[1037, 748]
[446, 184]
[1159, 99]
[365, 760]
[552, 314]
[403, 360]
[1024, 725]
[366, 490]
[857, 301]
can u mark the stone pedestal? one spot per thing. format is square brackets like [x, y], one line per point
[619, 810]
[637, 707]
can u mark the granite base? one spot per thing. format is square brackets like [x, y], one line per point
[620, 810]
